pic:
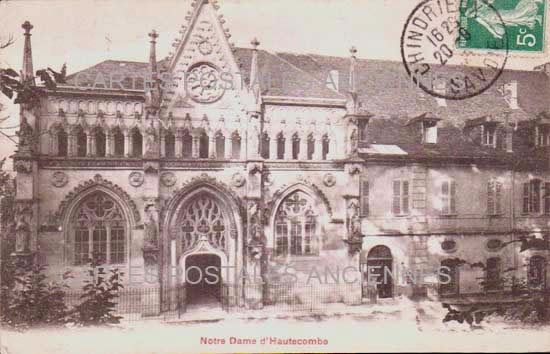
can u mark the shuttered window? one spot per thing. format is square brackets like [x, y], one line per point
[494, 197]
[400, 204]
[448, 197]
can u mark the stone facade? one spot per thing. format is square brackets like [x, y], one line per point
[264, 177]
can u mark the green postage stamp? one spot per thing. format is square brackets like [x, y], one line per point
[492, 23]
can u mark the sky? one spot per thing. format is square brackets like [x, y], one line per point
[83, 33]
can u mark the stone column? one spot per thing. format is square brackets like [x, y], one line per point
[90, 151]
[195, 146]
[318, 150]
[162, 145]
[53, 144]
[273, 148]
[127, 144]
[212, 146]
[109, 144]
[332, 146]
[302, 154]
[288, 147]
[179, 144]
[228, 147]
[151, 304]
[72, 144]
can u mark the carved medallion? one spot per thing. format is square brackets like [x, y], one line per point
[238, 179]
[135, 179]
[268, 179]
[329, 180]
[168, 179]
[59, 179]
[205, 47]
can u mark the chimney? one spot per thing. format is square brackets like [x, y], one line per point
[27, 72]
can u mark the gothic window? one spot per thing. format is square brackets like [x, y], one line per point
[169, 144]
[203, 146]
[62, 142]
[265, 146]
[280, 146]
[220, 146]
[295, 146]
[187, 145]
[81, 143]
[296, 227]
[536, 272]
[400, 203]
[118, 138]
[100, 142]
[494, 197]
[531, 196]
[99, 227]
[492, 277]
[310, 147]
[203, 217]
[448, 197]
[326, 142]
[489, 135]
[235, 146]
[137, 143]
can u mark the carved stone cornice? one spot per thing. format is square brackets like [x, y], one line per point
[96, 181]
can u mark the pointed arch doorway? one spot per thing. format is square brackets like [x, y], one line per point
[203, 278]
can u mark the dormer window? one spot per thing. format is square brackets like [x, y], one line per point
[489, 136]
[427, 124]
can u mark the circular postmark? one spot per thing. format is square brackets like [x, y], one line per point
[433, 41]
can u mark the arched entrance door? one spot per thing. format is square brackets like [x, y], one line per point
[380, 270]
[203, 278]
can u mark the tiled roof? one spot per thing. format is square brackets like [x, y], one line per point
[385, 91]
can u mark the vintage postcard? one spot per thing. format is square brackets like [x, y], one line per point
[189, 176]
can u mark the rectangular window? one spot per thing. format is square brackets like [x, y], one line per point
[546, 198]
[532, 196]
[117, 246]
[492, 279]
[364, 198]
[400, 203]
[309, 239]
[489, 135]
[494, 197]
[448, 198]
[431, 135]
[81, 246]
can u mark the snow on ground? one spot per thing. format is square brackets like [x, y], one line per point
[399, 326]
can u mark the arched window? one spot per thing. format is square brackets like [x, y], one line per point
[236, 146]
[295, 146]
[264, 153]
[187, 144]
[326, 142]
[536, 272]
[203, 146]
[169, 144]
[310, 147]
[62, 142]
[280, 146]
[380, 270]
[100, 142]
[99, 228]
[220, 146]
[296, 227]
[81, 142]
[118, 138]
[137, 143]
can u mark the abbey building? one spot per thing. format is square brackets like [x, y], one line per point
[244, 159]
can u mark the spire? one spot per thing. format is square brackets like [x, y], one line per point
[352, 76]
[152, 94]
[153, 55]
[255, 72]
[27, 72]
